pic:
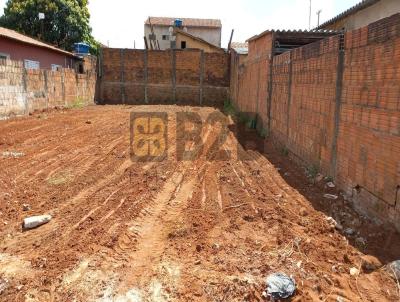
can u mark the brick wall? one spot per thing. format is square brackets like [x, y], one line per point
[368, 156]
[335, 105]
[130, 76]
[22, 91]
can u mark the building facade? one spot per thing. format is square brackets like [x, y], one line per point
[33, 53]
[159, 31]
[185, 40]
[362, 14]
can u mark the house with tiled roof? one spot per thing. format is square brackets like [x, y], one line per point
[34, 53]
[160, 31]
[362, 14]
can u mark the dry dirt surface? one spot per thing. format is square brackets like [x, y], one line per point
[200, 230]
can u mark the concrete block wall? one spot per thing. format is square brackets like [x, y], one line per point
[335, 105]
[23, 91]
[128, 76]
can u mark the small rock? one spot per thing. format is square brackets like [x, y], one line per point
[215, 246]
[197, 262]
[3, 285]
[339, 227]
[89, 122]
[354, 271]
[198, 248]
[319, 177]
[26, 207]
[330, 185]
[339, 299]
[303, 212]
[370, 263]
[331, 196]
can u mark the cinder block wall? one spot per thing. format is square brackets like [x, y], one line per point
[23, 91]
[335, 105]
[128, 76]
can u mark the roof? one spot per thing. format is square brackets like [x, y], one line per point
[352, 10]
[188, 22]
[314, 32]
[197, 39]
[240, 47]
[13, 35]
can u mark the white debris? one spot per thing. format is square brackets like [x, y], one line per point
[331, 196]
[330, 184]
[35, 221]
[394, 268]
[354, 271]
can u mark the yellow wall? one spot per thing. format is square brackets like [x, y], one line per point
[193, 43]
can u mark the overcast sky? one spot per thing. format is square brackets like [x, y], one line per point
[121, 22]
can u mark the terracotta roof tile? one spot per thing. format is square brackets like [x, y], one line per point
[12, 34]
[188, 22]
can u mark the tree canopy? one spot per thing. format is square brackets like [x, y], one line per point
[66, 21]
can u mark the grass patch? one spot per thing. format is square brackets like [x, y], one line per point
[77, 104]
[229, 109]
[285, 151]
[313, 171]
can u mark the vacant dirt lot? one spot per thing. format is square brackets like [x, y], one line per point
[201, 230]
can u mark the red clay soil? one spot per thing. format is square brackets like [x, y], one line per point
[202, 230]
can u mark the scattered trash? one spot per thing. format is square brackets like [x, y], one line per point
[298, 264]
[35, 221]
[331, 196]
[339, 299]
[26, 207]
[319, 177]
[349, 231]
[13, 154]
[394, 268]
[330, 184]
[280, 286]
[361, 241]
[354, 271]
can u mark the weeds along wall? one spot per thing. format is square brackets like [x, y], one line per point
[335, 106]
[23, 91]
[128, 76]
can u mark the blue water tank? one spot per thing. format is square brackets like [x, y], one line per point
[82, 48]
[178, 23]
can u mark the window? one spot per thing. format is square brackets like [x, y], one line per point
[4, 56]
[55, 67]
[165, 37]
[29, 64]
[183, 44]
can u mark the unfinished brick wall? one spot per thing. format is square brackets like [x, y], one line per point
[130, 76]
[335, 106]
[23, 91]
[368, 157]
[252, 81]
[311, 106]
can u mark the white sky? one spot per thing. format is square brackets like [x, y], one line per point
[121, 22]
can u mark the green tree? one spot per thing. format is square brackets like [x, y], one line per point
[66, 21]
